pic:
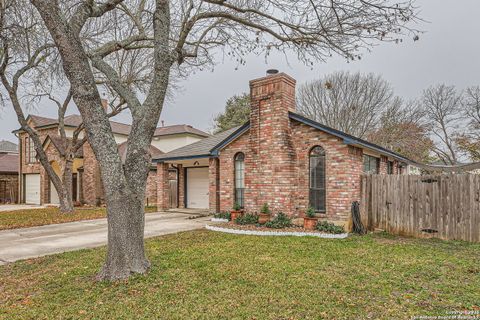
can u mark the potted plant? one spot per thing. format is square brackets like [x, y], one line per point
[264, 215]
[236, 212]
[310, 221]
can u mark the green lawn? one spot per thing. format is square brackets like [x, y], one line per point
[207, 275]
[39, 217]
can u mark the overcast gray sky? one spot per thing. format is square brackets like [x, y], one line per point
[449, 52]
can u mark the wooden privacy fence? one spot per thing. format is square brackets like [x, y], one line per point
[444, 206]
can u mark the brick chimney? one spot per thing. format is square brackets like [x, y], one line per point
[272, 151]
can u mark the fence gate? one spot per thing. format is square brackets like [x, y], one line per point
[444, 206]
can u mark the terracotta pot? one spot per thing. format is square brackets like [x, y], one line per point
[310, 223]
[263, 218]
[234, 215]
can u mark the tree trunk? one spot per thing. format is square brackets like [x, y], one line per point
[124, 188]
[125, 251]
[65, 194]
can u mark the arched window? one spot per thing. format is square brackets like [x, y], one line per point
[239, 178]
[317, 179]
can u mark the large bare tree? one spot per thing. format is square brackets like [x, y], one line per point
[443, 106]
[348, 102]
[179, 35]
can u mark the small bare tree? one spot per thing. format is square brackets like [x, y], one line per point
[348, 102]
[29, 72]
[443, 106]
[402, 128]
[25, 54]
[178, 35]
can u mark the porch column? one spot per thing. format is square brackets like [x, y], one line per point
[181, 186]
[162, 186]
[214, 185]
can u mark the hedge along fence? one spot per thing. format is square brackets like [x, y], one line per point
[444, 206]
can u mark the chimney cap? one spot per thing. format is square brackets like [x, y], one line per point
[271, 72]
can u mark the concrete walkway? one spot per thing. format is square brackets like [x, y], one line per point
[18, 244]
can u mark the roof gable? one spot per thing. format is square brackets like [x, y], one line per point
[199, 149]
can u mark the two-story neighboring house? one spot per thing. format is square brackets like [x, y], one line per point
[8, 172]
[35, 186]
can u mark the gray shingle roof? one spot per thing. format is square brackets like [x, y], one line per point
[197, 149]
[179, 128]
[8, 147]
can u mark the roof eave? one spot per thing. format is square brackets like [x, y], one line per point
[161, 160]
[216, 150]
[347, 139]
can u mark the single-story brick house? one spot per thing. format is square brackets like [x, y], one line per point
[279, 157]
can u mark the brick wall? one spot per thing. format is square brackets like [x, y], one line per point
[162, 186]
[151, 190]
[343, 169]
[91, 183]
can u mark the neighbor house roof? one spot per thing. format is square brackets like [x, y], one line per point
[75, 120]
[179, 128]
[122, 151]
[8, 147]
[9, 163]
[199, 149]
[212, 146]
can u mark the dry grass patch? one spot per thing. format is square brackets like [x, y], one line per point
[40, 217]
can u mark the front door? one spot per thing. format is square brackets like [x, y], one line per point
[197, 188]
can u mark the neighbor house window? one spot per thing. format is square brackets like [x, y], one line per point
[371, 164]
[317, 195]
[390, 167]
[30, 153]
[239, 179]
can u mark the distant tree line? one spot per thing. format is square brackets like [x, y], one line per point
[441, 126]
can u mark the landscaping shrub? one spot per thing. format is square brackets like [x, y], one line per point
[310, 213]
[265, 209]
[279, 222]
[247, 219]
[237, 207]
[222, 215]
[324, 226]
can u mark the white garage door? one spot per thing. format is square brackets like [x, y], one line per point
[197, 188]
[53, 194]
[32, 188]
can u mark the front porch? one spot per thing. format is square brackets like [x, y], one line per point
[189, 184]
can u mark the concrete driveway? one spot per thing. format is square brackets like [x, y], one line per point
[18, 244]
[13, 207]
